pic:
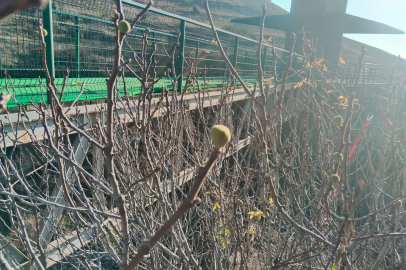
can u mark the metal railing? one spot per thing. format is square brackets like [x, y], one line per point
[80, 37]
[371, 74]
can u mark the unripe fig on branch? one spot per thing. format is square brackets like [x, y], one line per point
[338, 120]
[337, 157]
[398, 203]
[220, 135]
[124, 27]
[334, 179]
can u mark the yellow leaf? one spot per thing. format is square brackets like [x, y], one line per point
[207, 193]
[299, 84]
[251, 232]
[259, 214]
[270, 200]
[252, 214]
[300, 59]
[330, 91]
[343, 101]
[216, 205]
[223, 243]
[341, 61]
[325, 68]
[318, 61]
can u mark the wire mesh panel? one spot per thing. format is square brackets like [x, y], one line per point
[84, 44]
[163, 33]
[200, 45]
[20, 54]
[377, 74]
[247, 61]
[83, 39]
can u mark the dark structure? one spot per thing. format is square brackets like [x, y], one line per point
[325, 20]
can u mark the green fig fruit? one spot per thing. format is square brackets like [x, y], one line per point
[337, 157]
[220, 135]
[334, 178]
[147, 30]
[239, 202]
[124, 27]
[44, 32]
[338, 120]
[398, 203]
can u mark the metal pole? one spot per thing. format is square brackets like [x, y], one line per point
[153, 45]
[77, 47]
[391, 76]
[245, 71]
[4, 263]
[49, 40]
[181, 52]
[235, 56]
[52, 215]
[373, 76]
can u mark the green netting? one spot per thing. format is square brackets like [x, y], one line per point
[94, 88]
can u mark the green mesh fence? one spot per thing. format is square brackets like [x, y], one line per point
[83, 36]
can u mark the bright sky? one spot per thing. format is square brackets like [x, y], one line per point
[391, 12]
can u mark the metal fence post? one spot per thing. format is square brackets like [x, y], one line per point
[391, 76]
[245, 71]
[235, 56]
[49, 40]
[153, 45]
[373, 75]
[181, 52]
[77, 47]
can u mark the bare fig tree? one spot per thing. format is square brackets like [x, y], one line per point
[312, 178]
